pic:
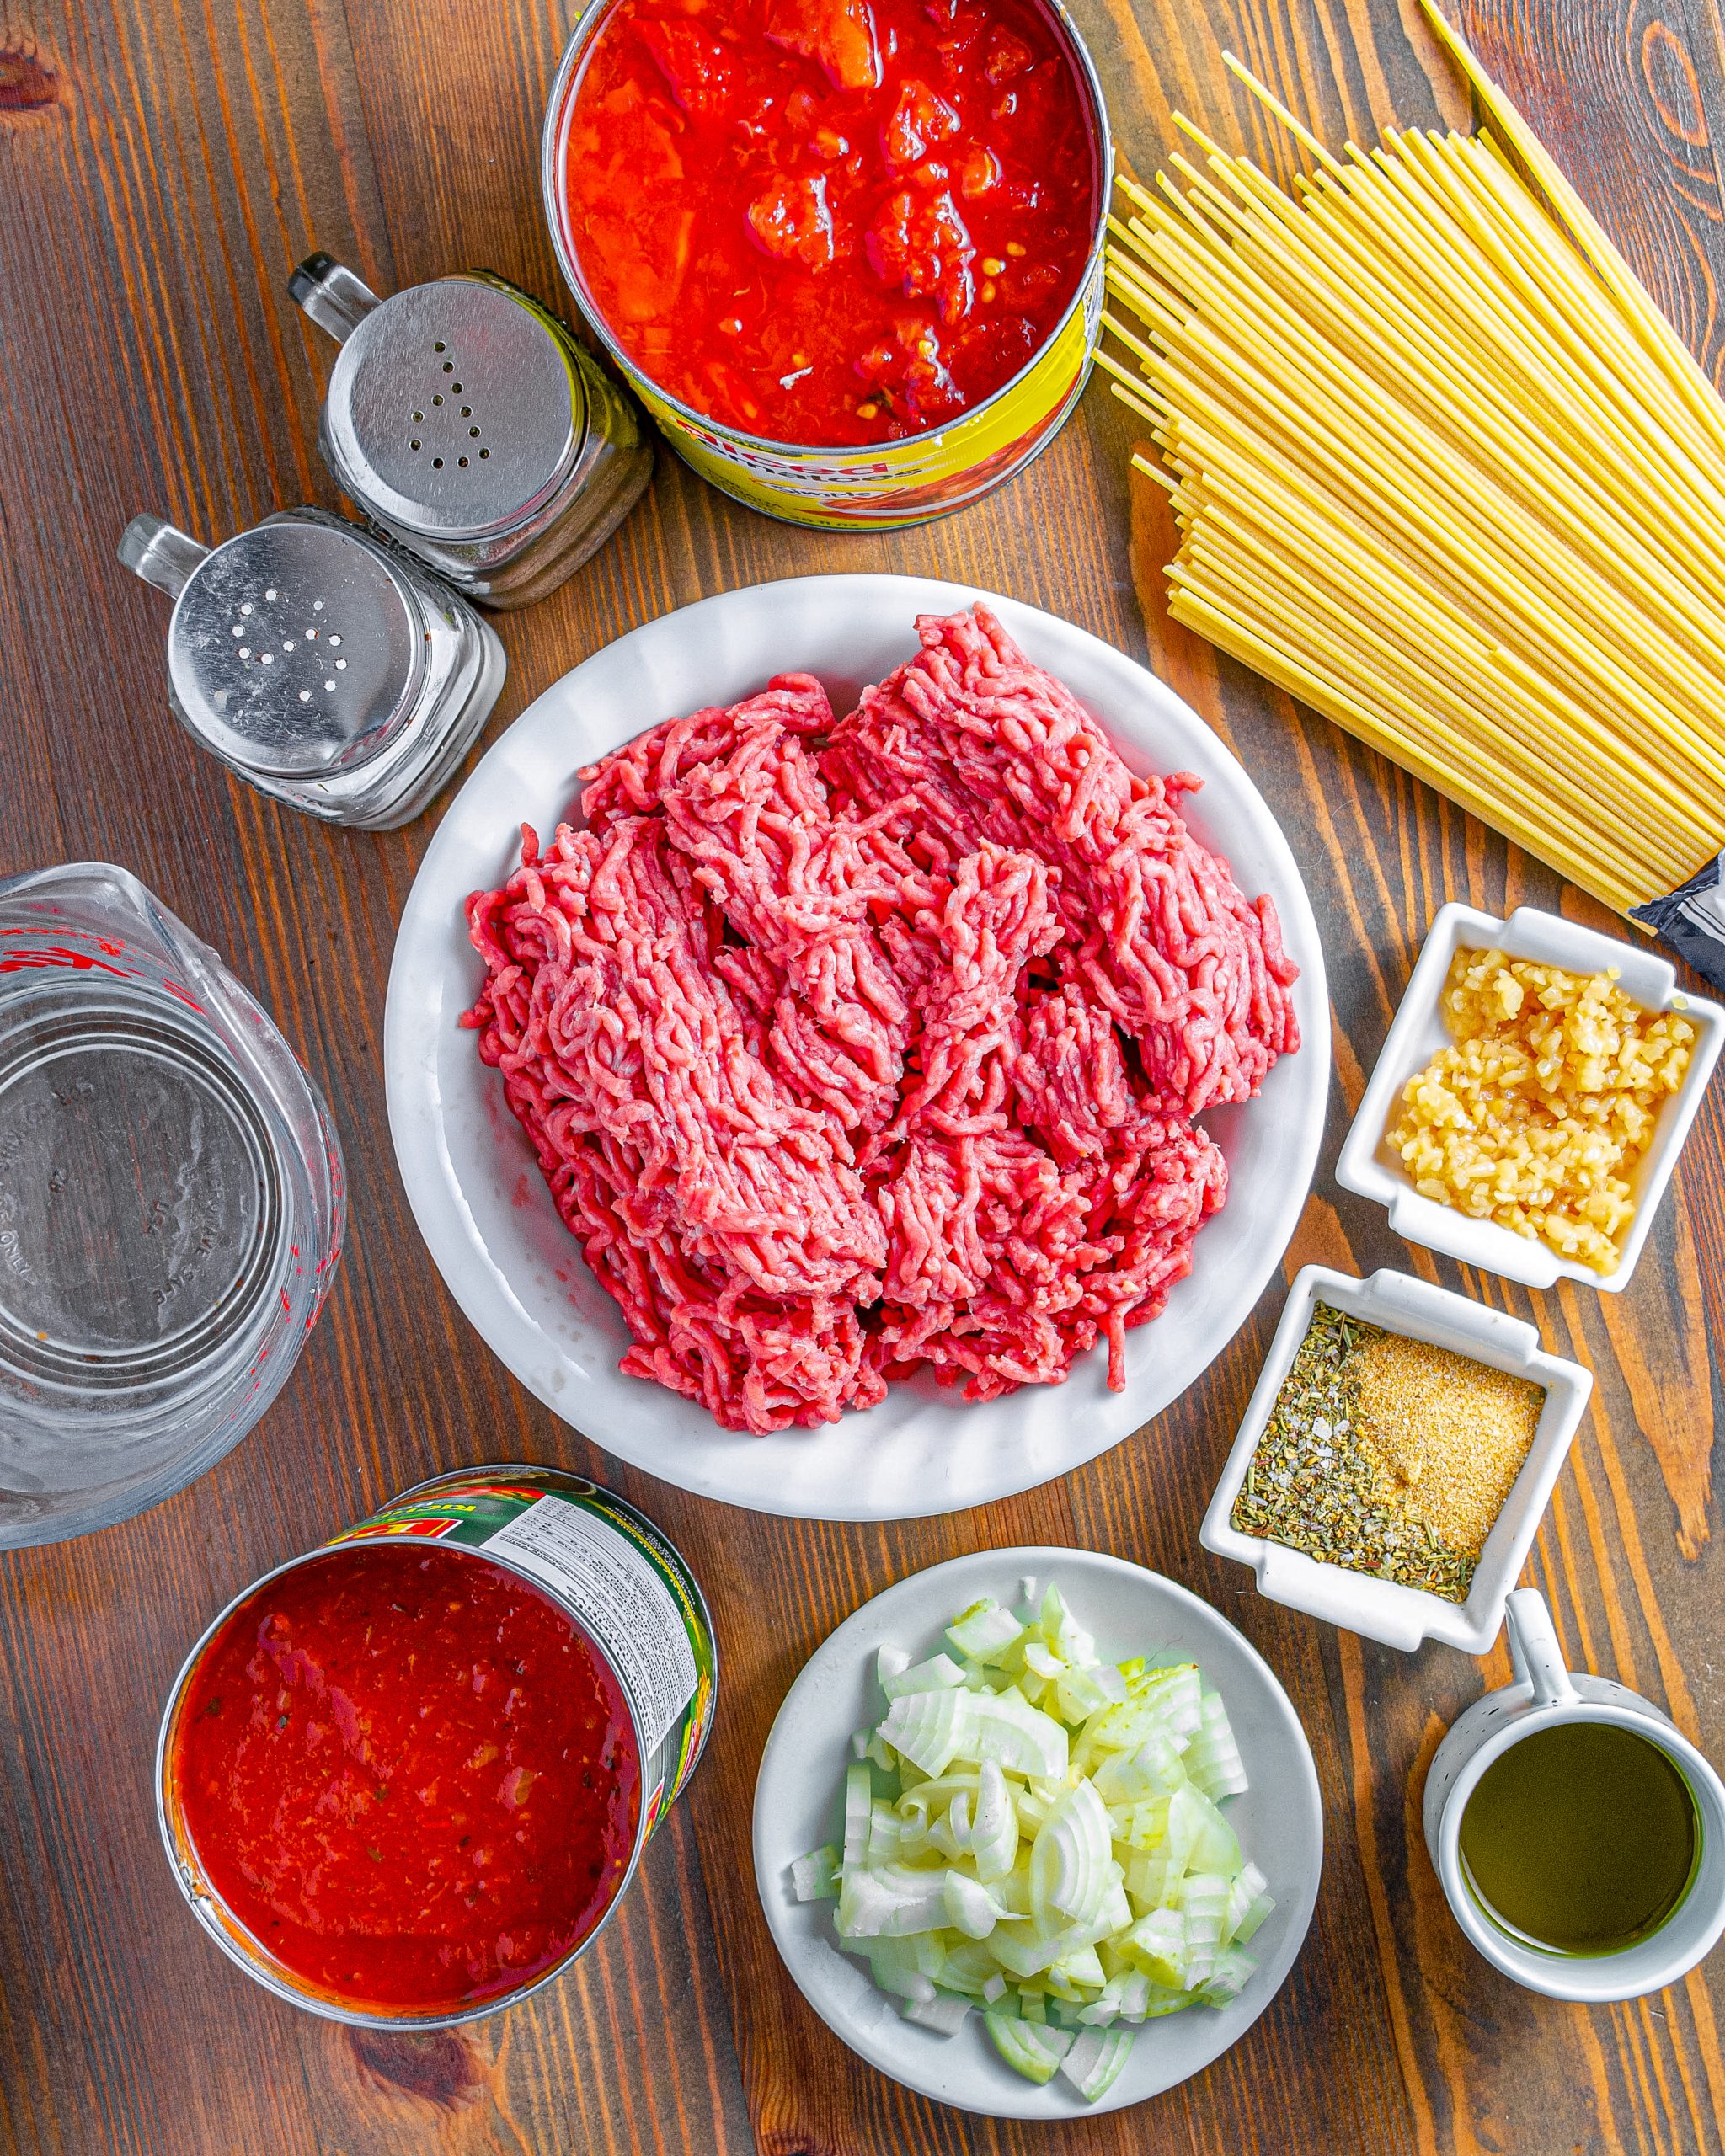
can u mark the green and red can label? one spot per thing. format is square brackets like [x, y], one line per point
[615, 1573]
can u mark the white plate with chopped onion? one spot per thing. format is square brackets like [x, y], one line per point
[1038, 1833]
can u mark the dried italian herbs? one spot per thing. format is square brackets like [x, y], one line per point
[1387, 1456]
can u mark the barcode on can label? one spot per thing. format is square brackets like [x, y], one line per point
[619, 1598]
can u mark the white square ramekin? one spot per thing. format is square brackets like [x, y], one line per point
[1367, 1167]
[1380, 1610]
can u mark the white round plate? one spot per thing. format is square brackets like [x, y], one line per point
[799, 1805]
[476, 1190]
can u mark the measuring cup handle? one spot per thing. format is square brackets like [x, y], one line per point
[1534, 1652]
[335, 299]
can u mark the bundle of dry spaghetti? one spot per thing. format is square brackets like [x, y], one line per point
[1444, 471]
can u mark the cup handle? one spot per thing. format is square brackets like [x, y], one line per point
[1534, 1652]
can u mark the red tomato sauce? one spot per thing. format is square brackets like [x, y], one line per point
[408, 1775]
[830, 222]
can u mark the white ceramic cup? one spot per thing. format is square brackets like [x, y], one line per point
[1545, 1693]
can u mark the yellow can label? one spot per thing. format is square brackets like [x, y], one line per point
[886, 485]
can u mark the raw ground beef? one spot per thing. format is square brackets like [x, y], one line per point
[851, 1047]
[970, 741]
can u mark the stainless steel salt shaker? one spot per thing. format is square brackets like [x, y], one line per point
[322, 665]
[469, 425]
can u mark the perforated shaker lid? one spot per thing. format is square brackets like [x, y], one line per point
[294, 646]
[455, 409]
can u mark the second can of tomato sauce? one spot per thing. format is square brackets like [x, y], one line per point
[405, 1778]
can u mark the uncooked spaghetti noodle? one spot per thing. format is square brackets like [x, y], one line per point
[1443, 470]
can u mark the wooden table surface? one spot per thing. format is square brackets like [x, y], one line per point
[163, 164]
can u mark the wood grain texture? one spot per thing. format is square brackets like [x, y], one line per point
[163, 162]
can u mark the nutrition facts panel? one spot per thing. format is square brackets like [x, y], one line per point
[622, 1601]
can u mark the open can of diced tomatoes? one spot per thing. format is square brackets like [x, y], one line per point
[405, 1779]
[958, 445]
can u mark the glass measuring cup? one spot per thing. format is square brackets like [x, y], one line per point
[172, 1203]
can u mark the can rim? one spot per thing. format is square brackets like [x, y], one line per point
[256, 1965]
[588, 16]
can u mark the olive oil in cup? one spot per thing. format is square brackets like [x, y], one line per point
[1578, 1835]
[1582, 1838]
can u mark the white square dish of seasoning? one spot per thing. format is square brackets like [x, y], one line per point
[1367, 1167]
[1383, 1610]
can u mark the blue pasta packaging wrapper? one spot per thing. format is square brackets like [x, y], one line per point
[1692, 920]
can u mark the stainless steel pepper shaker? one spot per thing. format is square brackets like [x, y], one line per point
[322, 665]
[468, 424]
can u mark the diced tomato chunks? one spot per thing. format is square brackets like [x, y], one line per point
[919, 118]
[993, 351]
[696, 66]
[647, 257]
[1007, 55]
[919, 243]
[836, 34]
[806, 115]
[792, 220]
[732, 390]
[909, 372]
[979, 171]
[830, 222]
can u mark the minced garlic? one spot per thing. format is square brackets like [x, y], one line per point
[1539, 1114]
